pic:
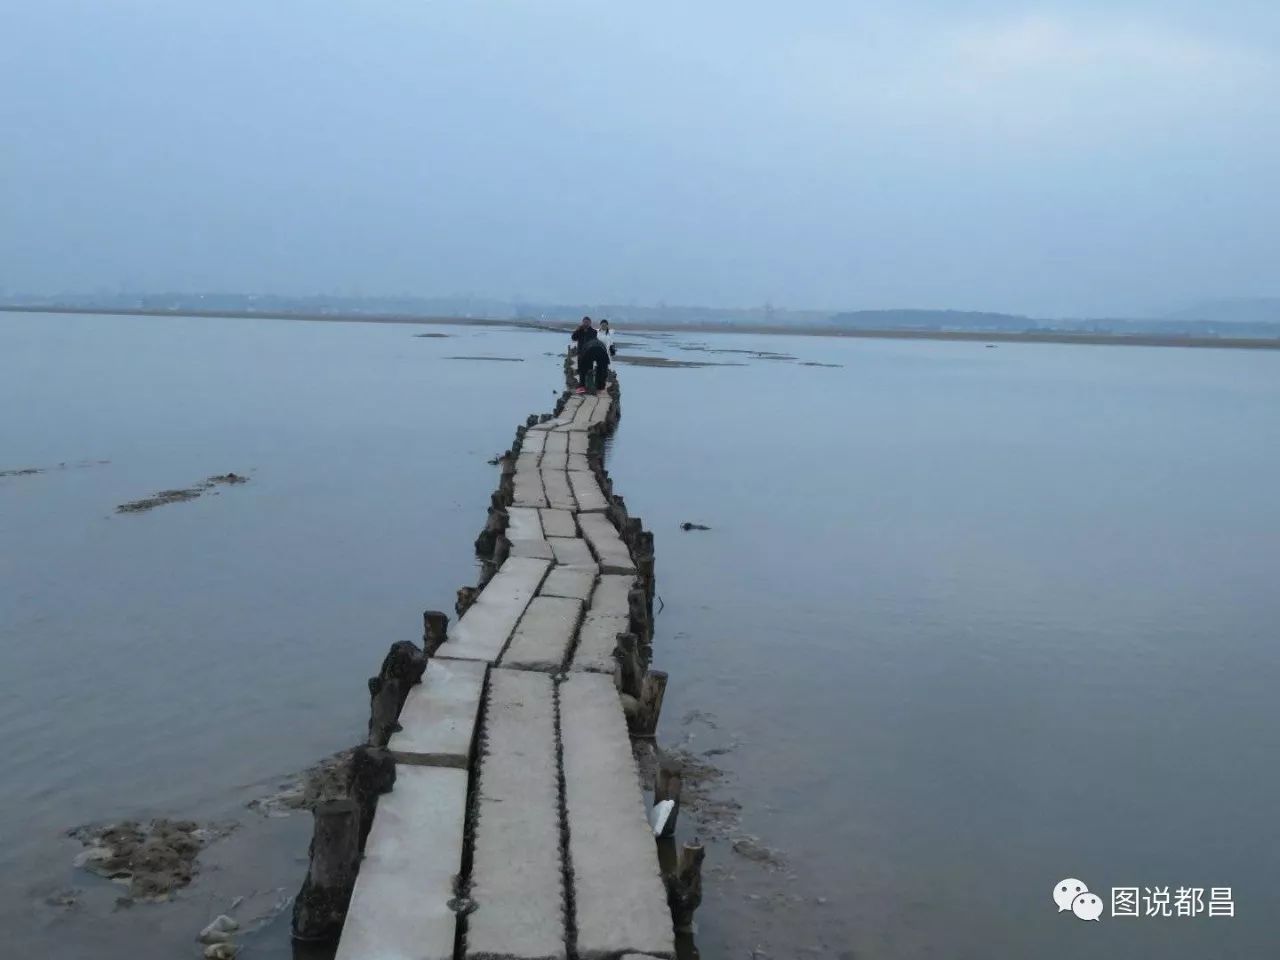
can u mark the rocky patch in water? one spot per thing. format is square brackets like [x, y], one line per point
[154, 859]
[325, 781]
[178, 496]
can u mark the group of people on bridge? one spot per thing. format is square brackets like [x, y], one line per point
[596, 350]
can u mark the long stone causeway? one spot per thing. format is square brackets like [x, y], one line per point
[497, 811]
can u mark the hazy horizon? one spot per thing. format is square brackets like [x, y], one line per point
[1071, 159]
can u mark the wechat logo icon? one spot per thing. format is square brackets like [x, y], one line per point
[1074, 895]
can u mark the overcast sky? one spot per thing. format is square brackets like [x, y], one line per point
[1070, 157]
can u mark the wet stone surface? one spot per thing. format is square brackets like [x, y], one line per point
[154, 858]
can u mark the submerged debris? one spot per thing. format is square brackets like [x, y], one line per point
[693, 526]
[66, 897]
[155, 858]
[178, 496]
[718, 815]
[751, 848]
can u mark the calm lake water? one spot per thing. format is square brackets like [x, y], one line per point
[968, 621]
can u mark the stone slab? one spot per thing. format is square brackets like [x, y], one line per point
[528, 490]
[601, 412]
[400, 907]
[568, 582]
[597, 639]
[555, 461]
[483, 630]
[516, 877]
[610, 597]
[527, 461]
[557, 443]
[438, 720]
[558, 493]
[538, 549]
[606, 543]
[578, 443]
[559, 523]
[582, 418]
[524, 523]
[619, 896]
[544, 636]
[573, 552]
[578, 461]
[533, 441]
[587, 492]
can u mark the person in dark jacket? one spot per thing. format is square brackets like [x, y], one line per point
[593, 365]
[582, 333]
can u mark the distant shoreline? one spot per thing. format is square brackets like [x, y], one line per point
[799, 330]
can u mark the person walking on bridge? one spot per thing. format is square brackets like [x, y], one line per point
[593, 366]
[583, 334]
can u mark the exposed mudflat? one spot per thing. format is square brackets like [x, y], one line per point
[669, 362]
[34, 471]
[753, 354]
[179, 496]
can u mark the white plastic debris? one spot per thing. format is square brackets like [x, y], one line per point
[658, 818]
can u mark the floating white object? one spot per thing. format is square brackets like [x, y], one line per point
[658, 819]
[219, 931]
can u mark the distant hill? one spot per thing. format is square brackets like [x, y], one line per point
[1243, 319]
[1257, 318]
[1232, 310]
[934, 320]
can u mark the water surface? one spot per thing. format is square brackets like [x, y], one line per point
[968, 621]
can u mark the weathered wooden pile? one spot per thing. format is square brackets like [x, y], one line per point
[497, 809]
